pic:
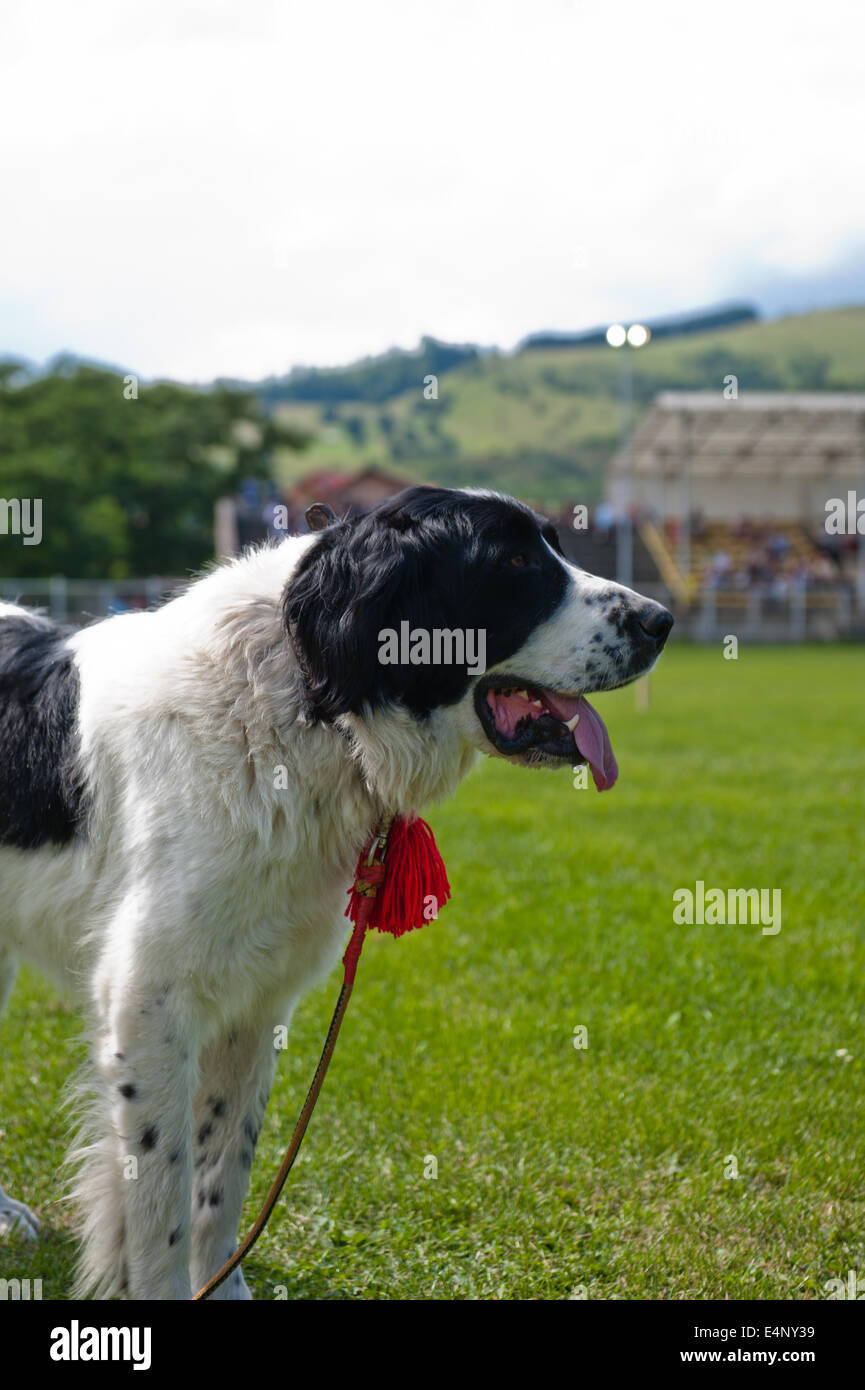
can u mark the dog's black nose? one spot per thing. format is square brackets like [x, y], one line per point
[656, 622]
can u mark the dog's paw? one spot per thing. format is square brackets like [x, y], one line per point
[234, 1290]
[16, 1220]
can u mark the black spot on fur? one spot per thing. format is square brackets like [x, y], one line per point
[217, 1106]
[201, 1197]
[128, 1091]
[215, 1199]
[150, 1138]
[41, 796]
[204, 1133]
[175, 1235]
[250, 1131]
[618, 618]
[174, 1156]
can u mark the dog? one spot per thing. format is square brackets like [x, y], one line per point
[184, 794]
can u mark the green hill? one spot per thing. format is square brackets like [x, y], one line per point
[543, 422]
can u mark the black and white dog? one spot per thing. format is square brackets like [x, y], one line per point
[184, 793]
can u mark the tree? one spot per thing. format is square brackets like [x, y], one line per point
[128, 485]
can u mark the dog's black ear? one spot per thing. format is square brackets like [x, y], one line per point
[319, 516]
[360, 579]
[346, 586]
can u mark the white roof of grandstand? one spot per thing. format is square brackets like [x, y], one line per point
[763, 400]
[769, 432]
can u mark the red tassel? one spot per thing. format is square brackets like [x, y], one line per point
[414, 887]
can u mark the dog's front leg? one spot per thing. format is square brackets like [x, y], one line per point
[148, 1067]
[236, 1077]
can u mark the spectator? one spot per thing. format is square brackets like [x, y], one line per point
[604, 521]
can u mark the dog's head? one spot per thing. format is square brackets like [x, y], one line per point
[459, 610]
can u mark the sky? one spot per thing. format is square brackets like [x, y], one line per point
[195, 188]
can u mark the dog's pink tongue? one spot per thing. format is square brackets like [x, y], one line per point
[593, 741]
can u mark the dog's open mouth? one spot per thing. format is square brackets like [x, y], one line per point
[519, 719]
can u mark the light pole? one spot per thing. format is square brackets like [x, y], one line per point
[620, 337]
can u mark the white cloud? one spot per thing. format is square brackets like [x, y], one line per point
[201, 188]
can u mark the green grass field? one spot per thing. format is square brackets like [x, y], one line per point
[563, 1172]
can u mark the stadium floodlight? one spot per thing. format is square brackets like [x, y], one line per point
[636, 337]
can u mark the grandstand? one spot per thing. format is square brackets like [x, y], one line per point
[735, 490]
[772, 455]
[730, 498]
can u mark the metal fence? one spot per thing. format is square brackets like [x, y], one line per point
[753, 614]
[761, 616]
[80, 601]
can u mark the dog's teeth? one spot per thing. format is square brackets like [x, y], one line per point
[523, 694]
[572, 722]
[538, 703]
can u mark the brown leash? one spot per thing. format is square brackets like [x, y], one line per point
[366, 885]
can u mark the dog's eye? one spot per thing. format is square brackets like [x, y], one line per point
[518, 561]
